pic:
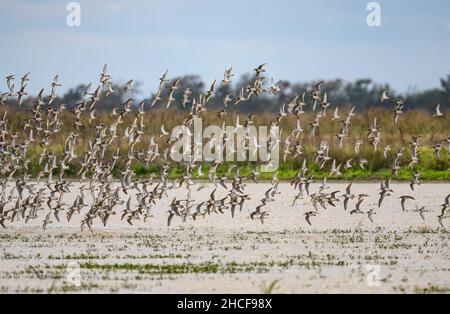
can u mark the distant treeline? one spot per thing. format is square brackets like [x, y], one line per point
[363, 93]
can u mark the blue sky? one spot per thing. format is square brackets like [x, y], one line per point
[300, 40]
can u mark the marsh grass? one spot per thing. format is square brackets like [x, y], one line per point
[270, 288]
[413, 122]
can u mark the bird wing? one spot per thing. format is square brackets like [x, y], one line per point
[345, 203]
[129, 204]
[212, 194]
[307, 219]
[347, 190]
[169, 219]
[438, 109]
[403, 203]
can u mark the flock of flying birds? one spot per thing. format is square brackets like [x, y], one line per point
[23, 200]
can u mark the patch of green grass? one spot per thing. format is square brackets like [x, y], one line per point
[431, 168]
[431, 289]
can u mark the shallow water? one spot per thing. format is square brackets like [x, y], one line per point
[398, 252]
